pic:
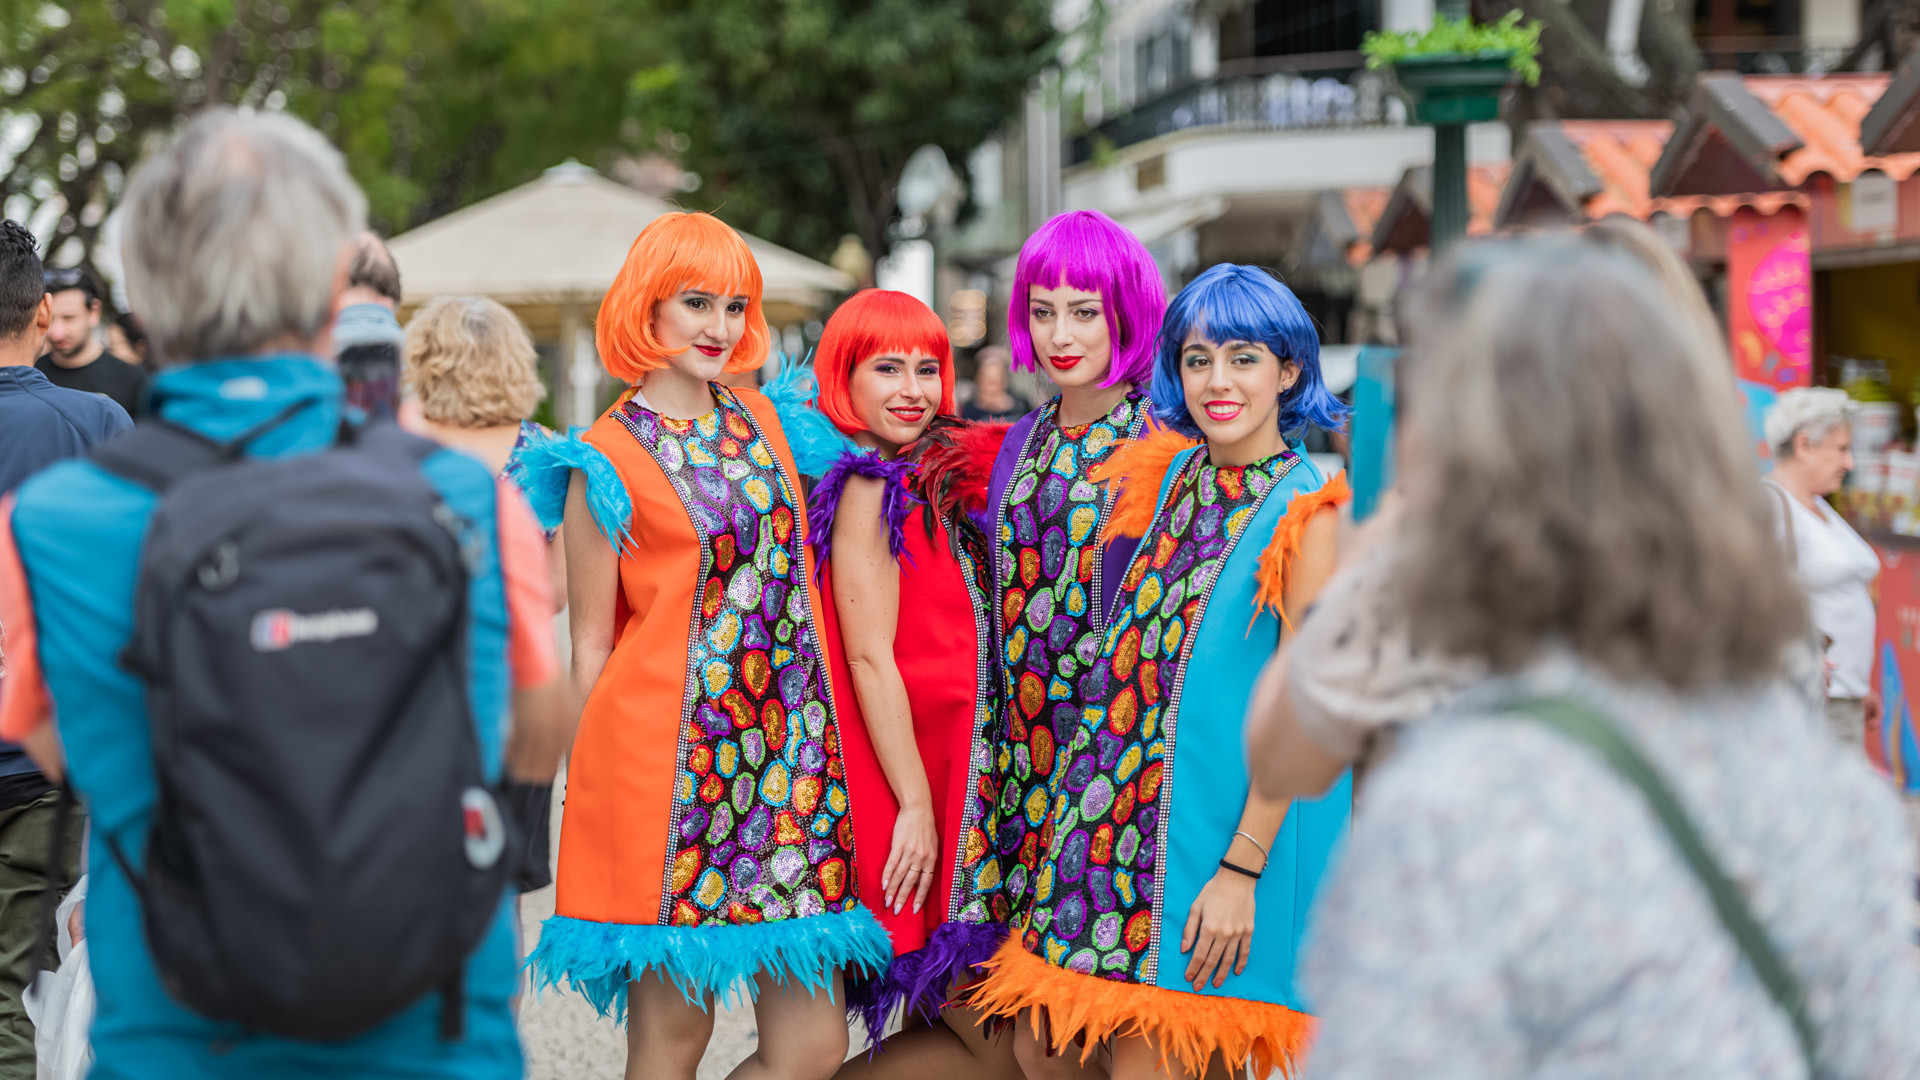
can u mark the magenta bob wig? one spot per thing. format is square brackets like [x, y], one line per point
[1086, 249]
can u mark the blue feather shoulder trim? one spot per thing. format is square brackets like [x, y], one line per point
[547, 463]
[814, 440]
[599, 959]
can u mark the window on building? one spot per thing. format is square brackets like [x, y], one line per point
[1289, 27]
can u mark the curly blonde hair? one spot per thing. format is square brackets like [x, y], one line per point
[471, 363]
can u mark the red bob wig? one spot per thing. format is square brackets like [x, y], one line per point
[677, 251]
[872, 322]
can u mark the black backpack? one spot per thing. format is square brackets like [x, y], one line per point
[325, 848]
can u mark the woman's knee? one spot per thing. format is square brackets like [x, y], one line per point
[805, 1052]
[663, 1027]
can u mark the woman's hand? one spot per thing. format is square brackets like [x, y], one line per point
[914, 859]
[1219, 930]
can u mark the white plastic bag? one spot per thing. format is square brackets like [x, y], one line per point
[60, 1004]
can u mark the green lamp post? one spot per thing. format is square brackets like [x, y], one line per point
[1453, 76]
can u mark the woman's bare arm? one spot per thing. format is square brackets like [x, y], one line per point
[593, 578]
[866, 597]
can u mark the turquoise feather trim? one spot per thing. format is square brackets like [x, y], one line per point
[815, 441]
[547, 464]
[598, 959]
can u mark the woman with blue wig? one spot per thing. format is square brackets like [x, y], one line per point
[1171, 902]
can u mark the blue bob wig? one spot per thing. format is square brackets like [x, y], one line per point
[1226, 303]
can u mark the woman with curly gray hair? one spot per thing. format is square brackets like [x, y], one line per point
[1811, 432]
[1586, 548]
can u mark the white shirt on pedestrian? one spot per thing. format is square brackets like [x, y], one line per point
[1838, 567]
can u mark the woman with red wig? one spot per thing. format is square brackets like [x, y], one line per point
[706, 843]
[897, 521]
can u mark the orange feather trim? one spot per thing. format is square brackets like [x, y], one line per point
[1187, 1027]
[1138, 466]
[1288, 534]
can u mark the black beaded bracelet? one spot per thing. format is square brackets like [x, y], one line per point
[1238, 869]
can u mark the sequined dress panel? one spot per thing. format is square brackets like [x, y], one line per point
[1049, 622]
[1096, 894]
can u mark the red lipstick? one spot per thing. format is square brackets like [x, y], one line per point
[1064, 363]
[711, 350]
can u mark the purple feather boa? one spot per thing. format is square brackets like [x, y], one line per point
[896, 502]
[921, 980]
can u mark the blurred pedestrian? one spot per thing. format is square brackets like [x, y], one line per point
[320, 891]
[1811, 432]
[472, 381]
[126, 340]
[727, 863]
[1173, 895]
[993, 398]
[1585, 539]
[366, 335]
[74, 357]
[40, 423]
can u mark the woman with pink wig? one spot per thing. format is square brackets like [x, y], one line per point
[1086, 309]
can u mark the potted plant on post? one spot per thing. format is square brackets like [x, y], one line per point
[1453, 72]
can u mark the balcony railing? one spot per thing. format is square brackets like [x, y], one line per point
[1300, 100]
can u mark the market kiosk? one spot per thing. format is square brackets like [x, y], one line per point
[1819, 280]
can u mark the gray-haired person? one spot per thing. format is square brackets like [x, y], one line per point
[1810, 430]
[237, 239]
[1584, 526]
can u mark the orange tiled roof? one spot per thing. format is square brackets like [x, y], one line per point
[1621, 154]
[1825, 112]
[1485, 184]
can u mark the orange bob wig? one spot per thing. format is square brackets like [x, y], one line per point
[675, 252]
[872, 322]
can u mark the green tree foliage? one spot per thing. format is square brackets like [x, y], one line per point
[800, 114]
[434, 102]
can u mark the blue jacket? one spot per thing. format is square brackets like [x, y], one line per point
[41, 423]
[78, 531]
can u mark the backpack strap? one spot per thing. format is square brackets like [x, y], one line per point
[158, 453]
[1582, 724]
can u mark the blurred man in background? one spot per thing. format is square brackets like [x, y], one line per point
[40, 423]
[367, 337]
[75, 357]
[993, 397]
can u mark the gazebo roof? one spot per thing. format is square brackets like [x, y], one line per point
[561, 239]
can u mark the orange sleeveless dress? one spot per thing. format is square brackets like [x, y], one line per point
[707, 833]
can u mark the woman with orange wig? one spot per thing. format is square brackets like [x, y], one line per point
[706, 844]
[897, 522]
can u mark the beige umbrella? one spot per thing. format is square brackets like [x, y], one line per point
[549, 249]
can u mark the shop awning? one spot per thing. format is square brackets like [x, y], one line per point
[560, 240]
[1770, 133]
[1889, 127]
[1405, 224]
